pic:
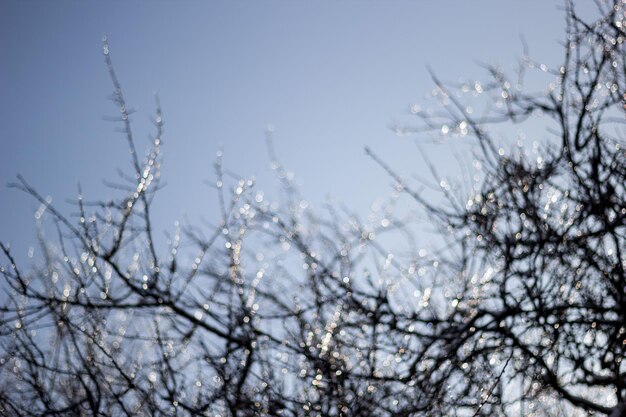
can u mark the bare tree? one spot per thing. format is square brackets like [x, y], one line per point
[539, 320]
[276, 310]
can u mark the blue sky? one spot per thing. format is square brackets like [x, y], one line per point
[330, 76]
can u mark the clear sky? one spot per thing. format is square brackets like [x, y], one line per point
[330, 76]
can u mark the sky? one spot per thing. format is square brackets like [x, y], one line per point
[330, 77]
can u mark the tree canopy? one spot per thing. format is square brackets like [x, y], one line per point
[279, 310]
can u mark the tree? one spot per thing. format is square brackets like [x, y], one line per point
[279, 311]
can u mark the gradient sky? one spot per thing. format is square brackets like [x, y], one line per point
[330, 76]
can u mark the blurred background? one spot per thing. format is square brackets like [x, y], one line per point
[329, 77]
